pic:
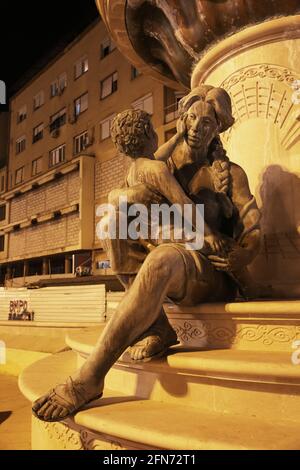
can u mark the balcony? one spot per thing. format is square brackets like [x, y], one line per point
[171, 112]
[58, 122]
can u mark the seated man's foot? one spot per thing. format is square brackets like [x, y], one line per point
[154, 342]
[64, 400]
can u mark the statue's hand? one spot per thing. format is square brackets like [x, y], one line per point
[181, 126]
[236, 259]
[215, 243]
[138, 194]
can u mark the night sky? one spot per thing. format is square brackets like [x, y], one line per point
[33, 29]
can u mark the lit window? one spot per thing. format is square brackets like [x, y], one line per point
[81, 67]
[107, 47]
[38, 133]
[19, 176]
[109, 85]
[37, 166]
[20, 145]
[54, 89]
[134, 73]
[105, 127]
[38, 100]
[22, 114]
[145, 104]
[81, 104]
[58, 86]
[58, 120]
[81, 142]
[62, 82]
[57, 156]
[2, 93]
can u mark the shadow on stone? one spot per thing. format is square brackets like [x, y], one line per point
[4, 416]
[279, 260]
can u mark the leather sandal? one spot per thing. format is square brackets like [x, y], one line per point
[64, 407]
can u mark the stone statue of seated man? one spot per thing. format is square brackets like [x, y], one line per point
[152, 271]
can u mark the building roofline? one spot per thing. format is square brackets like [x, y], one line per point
[49, 59]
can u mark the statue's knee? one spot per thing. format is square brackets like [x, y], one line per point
[160, 261]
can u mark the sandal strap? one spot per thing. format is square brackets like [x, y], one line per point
[75, 392]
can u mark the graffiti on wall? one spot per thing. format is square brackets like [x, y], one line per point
[18, 311]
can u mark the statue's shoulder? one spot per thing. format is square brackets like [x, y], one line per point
[239, 179]
[237, 172]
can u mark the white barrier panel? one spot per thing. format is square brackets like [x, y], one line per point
[65, 304]
[2, 353]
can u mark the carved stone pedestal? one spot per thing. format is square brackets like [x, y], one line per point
[221, 395]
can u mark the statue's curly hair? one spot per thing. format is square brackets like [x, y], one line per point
[129, 131]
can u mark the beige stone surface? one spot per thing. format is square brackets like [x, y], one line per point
[15, 416]
[18, 359]
[126, 420]
[164, 426]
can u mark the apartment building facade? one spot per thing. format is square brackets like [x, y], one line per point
[62, 163]
[4, 145]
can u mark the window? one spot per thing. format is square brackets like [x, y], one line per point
[38, 100]
[2, 186]
[2, 213]
[107, 47]
[109, 85]
[54, 89]
[58, 86]
[134, 73]
[81, 104]
[145, 104]
[81, 142]
[105, 127]
[2, 242]
[172, 100]
[20, 145]
[58, 120]
[19, 178]
[37, 166]
[81, 67]
[57, 156]
[22, 114]
[38, 133]
[62, 82]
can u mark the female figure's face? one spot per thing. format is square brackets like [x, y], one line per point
[202, 126]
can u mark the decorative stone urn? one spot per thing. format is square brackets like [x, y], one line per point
[251, 49]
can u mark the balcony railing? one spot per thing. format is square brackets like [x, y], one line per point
[171, 112]
[57, 123]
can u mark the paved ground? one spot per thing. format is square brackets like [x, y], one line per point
[15, 416]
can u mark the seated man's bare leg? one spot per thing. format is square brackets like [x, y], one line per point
[162, 274]
[155, 341]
